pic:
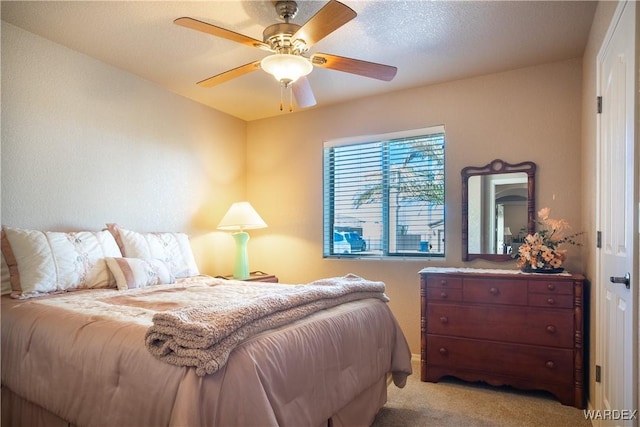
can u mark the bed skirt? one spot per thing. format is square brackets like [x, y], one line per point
[361, 411]
[17, 411]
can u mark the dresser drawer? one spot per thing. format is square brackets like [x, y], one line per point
[444, 294]
[550, 287]
[508, 324]
[538, 364]
[551, 300]
[494, 291]
[444, 281]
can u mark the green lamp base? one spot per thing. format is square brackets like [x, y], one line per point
[241, 269]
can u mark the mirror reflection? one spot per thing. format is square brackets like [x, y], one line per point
[498, 209]
[497, 212]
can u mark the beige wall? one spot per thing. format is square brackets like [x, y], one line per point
[84, 144]
[526, 114]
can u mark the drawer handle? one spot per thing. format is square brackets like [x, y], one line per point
[551, 287]
[443, 351]
[551, 301]
[550, 364]
[443, 295]
[494, 291]
[443, 283]
[444, 319]
[551, 329]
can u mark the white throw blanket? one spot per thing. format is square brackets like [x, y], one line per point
[204, 335]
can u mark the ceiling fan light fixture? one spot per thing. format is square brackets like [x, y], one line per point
[285, 67]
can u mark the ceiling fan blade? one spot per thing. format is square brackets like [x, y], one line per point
[303, 93]
[332, 16]
[194, 24]
[231, 74]
[354, 66]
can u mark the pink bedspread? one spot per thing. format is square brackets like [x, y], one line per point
[85, 360]
[204, 334]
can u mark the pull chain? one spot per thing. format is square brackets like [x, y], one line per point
[290, 98]
[286, 91]
[281, 90]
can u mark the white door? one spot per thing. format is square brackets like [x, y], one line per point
[616, 285]
[499, 248]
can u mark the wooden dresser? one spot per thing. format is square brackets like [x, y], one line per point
[504, 328]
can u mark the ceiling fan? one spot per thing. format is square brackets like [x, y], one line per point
[289, 44]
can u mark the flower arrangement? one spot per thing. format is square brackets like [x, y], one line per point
[541, 249]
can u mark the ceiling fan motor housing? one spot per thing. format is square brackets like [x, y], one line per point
[279, 37]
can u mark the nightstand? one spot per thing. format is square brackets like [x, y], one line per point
[256, 276]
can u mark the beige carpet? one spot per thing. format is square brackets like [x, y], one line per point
[453, 403]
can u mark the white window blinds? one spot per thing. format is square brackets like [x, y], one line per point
[384, 195]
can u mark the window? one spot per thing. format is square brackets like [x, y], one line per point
[384, 195]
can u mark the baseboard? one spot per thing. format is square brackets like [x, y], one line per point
[415, 358]
[594, 423]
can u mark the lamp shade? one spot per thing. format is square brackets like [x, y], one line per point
[241, 216]
[286, 67]
[507, 231]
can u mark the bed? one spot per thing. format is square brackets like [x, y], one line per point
[107, 354]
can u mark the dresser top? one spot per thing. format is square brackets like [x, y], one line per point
[466, 270]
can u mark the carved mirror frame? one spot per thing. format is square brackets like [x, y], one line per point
[496, 167]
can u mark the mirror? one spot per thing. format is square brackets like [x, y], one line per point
[498, 209]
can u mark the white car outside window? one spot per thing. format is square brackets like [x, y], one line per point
[340, 244]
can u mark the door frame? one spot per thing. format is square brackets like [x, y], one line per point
[596, 287]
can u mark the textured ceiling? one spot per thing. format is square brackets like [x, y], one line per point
[429, 42]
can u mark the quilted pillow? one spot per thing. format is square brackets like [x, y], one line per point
[133, 273]
[42, 262]
[171, 248]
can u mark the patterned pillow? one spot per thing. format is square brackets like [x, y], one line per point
[42, 262]
[133, 273]
[173, 249]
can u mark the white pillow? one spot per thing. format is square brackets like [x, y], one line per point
[133, 273]
[171, 248]
[45, 262]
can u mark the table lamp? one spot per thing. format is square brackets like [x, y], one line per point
[507, 241]
[241, 216]
[507, 235]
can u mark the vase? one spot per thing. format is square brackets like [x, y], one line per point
[543, 270]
